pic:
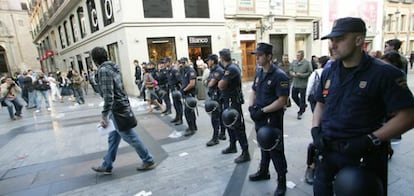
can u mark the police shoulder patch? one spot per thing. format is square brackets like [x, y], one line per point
[401, 82]
[192, 74]
[284, 84]
[226, 73]
[217, 74]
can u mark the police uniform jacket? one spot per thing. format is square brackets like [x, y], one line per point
[356, 103]
[189, 75]
[233, 77]
[270, 86]
[162, 76]
[174, 79]
[215, 73]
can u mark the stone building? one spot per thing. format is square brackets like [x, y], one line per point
[17, 51]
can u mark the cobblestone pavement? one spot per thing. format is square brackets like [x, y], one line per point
[50, 153]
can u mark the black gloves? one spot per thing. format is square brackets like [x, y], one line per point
[318, 139]
[357, 147]
[256, 113]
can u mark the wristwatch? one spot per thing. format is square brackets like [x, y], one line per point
[374, 139]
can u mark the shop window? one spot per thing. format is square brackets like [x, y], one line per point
[81, 21]
[152, 8]
[161, 47]
[113, 52]
[107, 12]
[62, 37]
[196, 9]
[93, 15]
[74, 28]
[67, 30]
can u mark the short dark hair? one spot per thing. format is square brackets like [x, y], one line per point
[99, 55]
[323, 60]
[396, 43]
[394, 58]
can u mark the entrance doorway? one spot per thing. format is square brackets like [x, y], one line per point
[248, 60]
[159, 48]
[198, 46]
[4, 67]
[277, 42]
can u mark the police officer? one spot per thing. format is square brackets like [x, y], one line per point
[355, 94]
[232, 97]
[174, 84]
[188, 90]
[163, 84]
[216, 73]
[269, 95]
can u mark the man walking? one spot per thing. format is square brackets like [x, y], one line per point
[112, 91]
[300, 71]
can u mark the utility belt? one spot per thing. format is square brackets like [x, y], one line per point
[163, 86]
[341, 145]
[238, 99]
[176, 86]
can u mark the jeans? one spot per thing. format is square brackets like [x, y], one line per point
[129, 136]
[79, 95]
[42, 95]
[298, 95]
[32, 99]
[17, 103]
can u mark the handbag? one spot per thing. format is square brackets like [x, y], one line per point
[124, 118]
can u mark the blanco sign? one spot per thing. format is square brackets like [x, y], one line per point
[198, 40]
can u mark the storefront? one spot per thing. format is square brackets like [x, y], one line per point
[159, 48]
[198, 46]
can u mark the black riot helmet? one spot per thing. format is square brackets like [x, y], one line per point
[269, 138]
[211, 106]
[230, 117]
[191, 102]
[357, 181]
[176, 94]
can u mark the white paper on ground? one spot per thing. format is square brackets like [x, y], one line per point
[105, 131]
[290, 184]
[144, 193]
[183, 154]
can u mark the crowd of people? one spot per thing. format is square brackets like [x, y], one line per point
[359, 101]
[31, 89]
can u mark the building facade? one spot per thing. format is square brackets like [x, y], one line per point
[17, 51]
[146, 30]
[399, 23]
[289, 25]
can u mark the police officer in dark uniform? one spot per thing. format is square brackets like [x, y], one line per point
[163, 84]
[267, 100]
[188, 90]
[355, 94]
[232, 97]
[216, 73]
[174, 84]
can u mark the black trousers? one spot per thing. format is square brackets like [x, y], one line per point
[239, 132]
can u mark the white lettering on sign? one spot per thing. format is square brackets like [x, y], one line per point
[94, 16]
[198, 40]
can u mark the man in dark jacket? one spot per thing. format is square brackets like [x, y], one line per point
[112, 91]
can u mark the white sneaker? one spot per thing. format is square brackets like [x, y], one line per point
[37, 111]
[49, 109]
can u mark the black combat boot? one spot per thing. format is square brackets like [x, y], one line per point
[281, 186]
[174, 120]
[222, 136]
[230, 149]
[244, 157]
[179, 121]
[261, 174]
[213, 141]
[189, 132]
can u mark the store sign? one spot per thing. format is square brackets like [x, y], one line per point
[315, 30]
[199, 41]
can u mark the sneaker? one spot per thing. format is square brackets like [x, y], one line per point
[37, 111]
[146, 166]
[299, 116]
[309, 175]
[102, 170]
